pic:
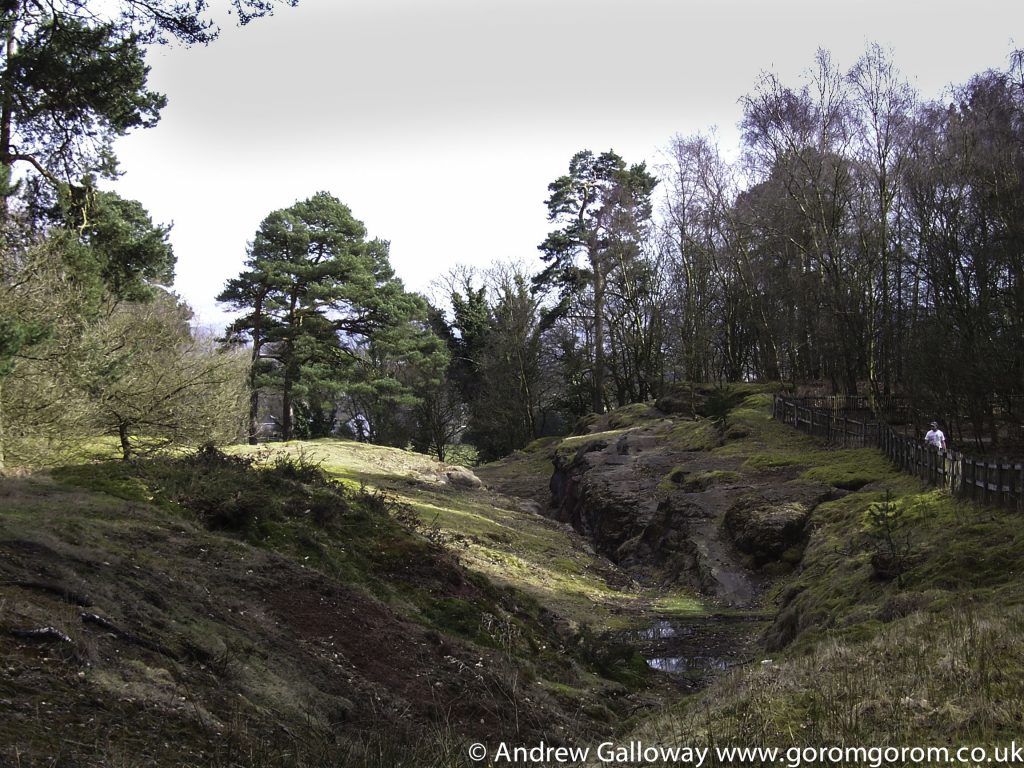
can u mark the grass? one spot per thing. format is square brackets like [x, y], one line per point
[261, 582]
[681, 603]
[590, 441]
[681, 478]
[948, 679]
[488, 532]
[266, 613]
[859, 656]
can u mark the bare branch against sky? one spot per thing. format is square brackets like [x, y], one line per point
[441, 123]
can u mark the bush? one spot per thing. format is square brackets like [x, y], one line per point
[237, 494]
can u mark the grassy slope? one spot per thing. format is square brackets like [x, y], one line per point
[311, 628]
[496, 535]
[935, 656]
[859, 657]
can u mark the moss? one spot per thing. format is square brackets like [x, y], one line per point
[852, 469]
[631, 415]
[542, 444]
[594, 441]
[701, 435]
[679, 604]
[458, 617]
[679, 478]
[113, 478]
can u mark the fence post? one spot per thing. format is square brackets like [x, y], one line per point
[1020, 487]
[963, 475]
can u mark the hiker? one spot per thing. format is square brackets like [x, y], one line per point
[935, 438]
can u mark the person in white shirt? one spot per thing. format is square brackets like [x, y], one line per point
[935, 438]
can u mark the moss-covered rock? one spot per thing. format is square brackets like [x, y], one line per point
[767, 532]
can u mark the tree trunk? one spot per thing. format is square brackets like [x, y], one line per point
[597, 396]
[286, 408]
[254, 394]
[10, 23]
[126, 445]
[254, 413]
[2, 465]
[290, 366]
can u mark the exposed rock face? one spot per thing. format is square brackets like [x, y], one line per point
[770, 525]
[612, 491]
[600, 493]
[672, 515]
[768, 533]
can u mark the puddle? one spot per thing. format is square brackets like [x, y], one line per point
[680, 665]
[659, 630]
[693, 650]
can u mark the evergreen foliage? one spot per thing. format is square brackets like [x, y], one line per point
[602, 208]
[73, 79]
[73, 76]
[496, 343]
[325, 316]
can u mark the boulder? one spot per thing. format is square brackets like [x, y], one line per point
[461, 477]
[770, 531]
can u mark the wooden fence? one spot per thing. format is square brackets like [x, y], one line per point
[888, 408]
[990, 481]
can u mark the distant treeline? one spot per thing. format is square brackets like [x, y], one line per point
[859, 237]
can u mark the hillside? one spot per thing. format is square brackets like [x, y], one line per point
[334, 603]
[896, 610]
[264, 614]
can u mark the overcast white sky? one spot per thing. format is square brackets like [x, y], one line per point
[440, 123]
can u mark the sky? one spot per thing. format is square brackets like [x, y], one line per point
[440, 123]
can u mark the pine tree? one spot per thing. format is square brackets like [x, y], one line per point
[321, 304]
[602, 208]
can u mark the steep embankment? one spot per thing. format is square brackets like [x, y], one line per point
[679, 499]
[895, 613]
[209, 611]
[897, 610]
[205, 611]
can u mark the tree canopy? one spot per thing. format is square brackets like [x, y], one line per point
[321, 305]
[73, 76]
[602, 207]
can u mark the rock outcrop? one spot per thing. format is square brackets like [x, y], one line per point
[657, 501]
[769, 525]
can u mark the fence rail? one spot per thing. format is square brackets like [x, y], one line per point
[989, 481]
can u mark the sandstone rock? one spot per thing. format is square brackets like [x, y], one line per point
[611, 490]
[768, 532]
[461, 477]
